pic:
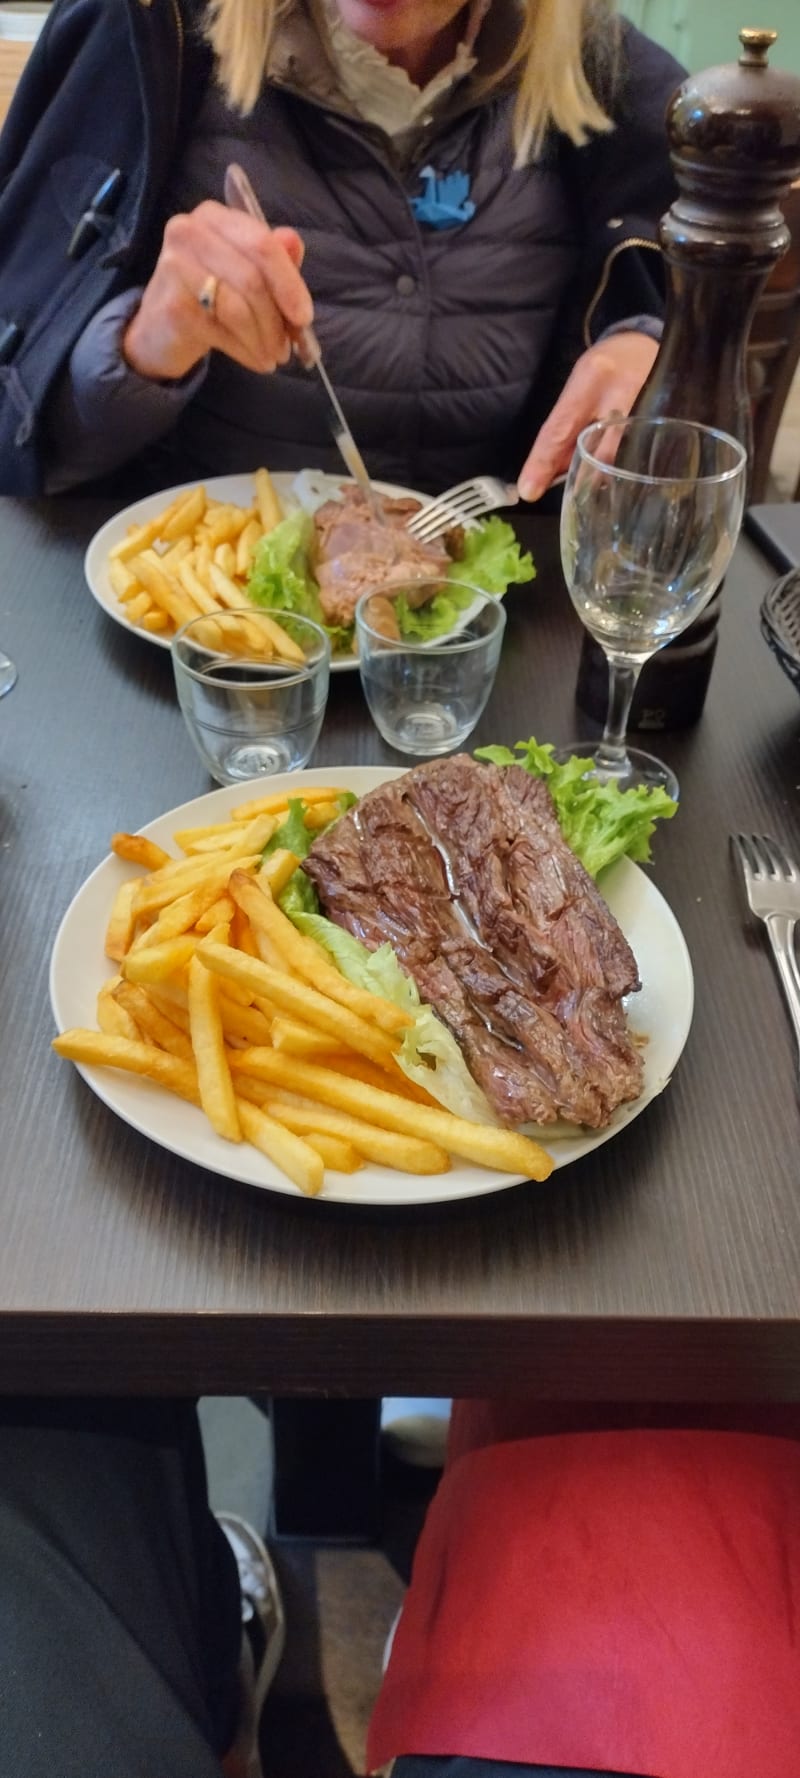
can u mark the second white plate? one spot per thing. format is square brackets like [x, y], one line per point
[239, 490]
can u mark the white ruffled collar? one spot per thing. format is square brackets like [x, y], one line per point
[381, 93]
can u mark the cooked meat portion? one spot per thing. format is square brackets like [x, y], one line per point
[463, 869]
[353, 551]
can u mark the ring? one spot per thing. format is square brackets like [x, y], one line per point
[207, 295]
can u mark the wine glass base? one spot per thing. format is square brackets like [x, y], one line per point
[640, 770]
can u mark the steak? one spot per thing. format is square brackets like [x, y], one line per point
[463, 869]
[353, 552]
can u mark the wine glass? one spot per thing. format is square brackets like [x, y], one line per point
[650, 516]
[8, 674]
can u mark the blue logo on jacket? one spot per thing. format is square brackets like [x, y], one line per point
[445, 201]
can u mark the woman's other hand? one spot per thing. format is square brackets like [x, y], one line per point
[259, 296]
[605, 380]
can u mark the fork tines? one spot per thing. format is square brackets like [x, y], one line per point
[765, 858]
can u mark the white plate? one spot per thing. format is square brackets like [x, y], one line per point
[239, 490]
[662, 1013]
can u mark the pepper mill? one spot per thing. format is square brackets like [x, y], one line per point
[734, 136]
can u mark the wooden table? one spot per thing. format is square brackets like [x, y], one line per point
[667, 1265]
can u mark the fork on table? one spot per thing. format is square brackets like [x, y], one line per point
[460, 505]
[772, 883]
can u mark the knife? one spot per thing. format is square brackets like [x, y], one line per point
[239, 195]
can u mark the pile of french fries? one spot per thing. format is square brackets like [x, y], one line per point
[221, 1000]
[193, 559]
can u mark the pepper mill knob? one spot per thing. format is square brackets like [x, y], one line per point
[756, 46]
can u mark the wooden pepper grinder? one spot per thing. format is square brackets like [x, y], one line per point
[734, 135]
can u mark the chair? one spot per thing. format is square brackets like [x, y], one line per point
[773, 352]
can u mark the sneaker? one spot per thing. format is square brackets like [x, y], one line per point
[263, 1640]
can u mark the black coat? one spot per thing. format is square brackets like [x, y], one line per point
[103, 109]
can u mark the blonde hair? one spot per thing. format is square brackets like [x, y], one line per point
[558, 40]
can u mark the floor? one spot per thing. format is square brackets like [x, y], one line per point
[340, 1603]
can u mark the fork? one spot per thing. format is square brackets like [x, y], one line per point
[461, 505]
[772, 883]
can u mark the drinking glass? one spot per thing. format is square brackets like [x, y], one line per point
[425, 697]
[650, 516]
[249, 710]
[8, 674]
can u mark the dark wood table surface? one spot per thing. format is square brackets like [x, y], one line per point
[666, 1265]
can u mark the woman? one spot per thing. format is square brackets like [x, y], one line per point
[139, 312]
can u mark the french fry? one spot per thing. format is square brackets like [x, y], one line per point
[123, 580]
[294, 1157]
[340, 1156]
[188, 837]
[157, 962]
[193, 585]
[139, 607]
[320, 815]
[164, 590]
[277, 870]
[96, 1050]
[284, 645]
[208, 1042]
[278, 804]
[173, 1000]
[113, 1019]
[308, 959]
[135, 848]
[119, 930]
[269, 506]
[148, 1019]
[408, 1154]
[504, 1150]
[184, 912]
[225, 558]
[140, 537]
[223, 909]
[186, 514]
[300, 1040]
[245, 1024]
[248, 540]
[295, 998]
[154, 892]
[155, 621]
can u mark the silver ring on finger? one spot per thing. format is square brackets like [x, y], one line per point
[207, 294]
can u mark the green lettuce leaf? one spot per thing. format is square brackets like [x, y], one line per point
[429, 1054]
[598, 820]
[281, 578]
[491, 561]
[491, 558]
[300, 895]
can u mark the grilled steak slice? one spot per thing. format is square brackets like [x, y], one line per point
[353, 552]
[463, 869]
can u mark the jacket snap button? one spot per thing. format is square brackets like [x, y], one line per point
[406, 285]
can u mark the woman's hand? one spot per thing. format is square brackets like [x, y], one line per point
[605, 380]
[260, 297]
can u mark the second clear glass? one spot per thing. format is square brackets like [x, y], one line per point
[425, 695]
[651, 513]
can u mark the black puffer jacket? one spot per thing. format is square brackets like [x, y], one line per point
[448, 346]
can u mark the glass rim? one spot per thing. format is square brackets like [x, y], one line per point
[410, 645]
[666, 481]
[293, 673]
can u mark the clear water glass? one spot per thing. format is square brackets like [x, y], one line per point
[249, 710]
[651, 513]
[425, 697]
[8, 674]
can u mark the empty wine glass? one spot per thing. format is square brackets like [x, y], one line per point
[8, 674]
[650, 516]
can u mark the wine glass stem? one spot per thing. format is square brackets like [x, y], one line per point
[612, 756]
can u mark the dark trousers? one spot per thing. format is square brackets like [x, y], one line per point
[119, 1600]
